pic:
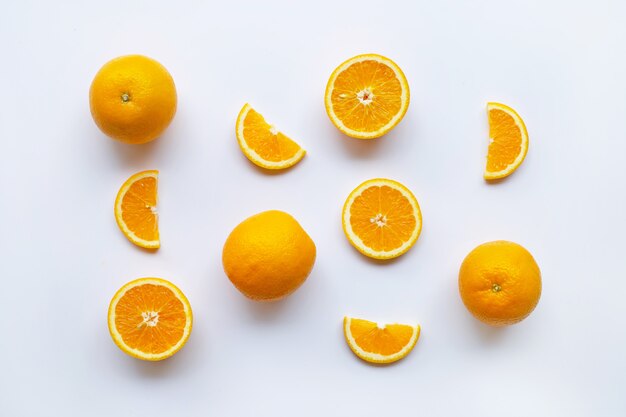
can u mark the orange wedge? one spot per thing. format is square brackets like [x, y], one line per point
[509, 141]
[382, 219]
[367, 96]
[150, 319]
[263, 144]
[135, 209]
[377, 343]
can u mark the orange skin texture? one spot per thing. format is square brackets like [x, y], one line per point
[268, 256]
[133, 99]
[500, 283]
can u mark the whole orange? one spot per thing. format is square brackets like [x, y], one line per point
[500, 283]
[133, 99]
[268, 256]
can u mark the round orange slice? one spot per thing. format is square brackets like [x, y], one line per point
[263, 144]
[135, 209]
[367, 96]
[378, 343]
[150, 319]
[509, 141]
[382, 219]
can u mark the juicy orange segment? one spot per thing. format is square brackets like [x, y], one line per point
[150, 319]
[379, 343]
[382, 219]
[135, 209]
[262, 144]
[367, 96]
[509, 141]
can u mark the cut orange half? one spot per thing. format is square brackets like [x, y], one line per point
[135, 209]
[377, 343]
[150, 319]
[382, 219]
[263, 144]
[509, 141]
[367, 96]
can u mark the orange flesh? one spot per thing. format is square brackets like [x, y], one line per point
[385, 93]
[137, 208]
[506, 141]
[386, 205]
[149, 298]
[387, 341]
[271, 147]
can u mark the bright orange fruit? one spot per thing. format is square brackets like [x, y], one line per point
[268, 256]
[500, 283]
[382, 219]
[377, 343]
[135, 209]
[509, 141]
[367, 96]
[150, 319]
[263, 144]
[133, 99]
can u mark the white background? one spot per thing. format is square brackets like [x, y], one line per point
[561, 64]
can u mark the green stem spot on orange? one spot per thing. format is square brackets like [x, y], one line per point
[125, 97]
[496, 288]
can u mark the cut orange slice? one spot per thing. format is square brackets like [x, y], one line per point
[263, 144]
[367, 96]
[509, 141]
[377, 343]
[382, 219]
[150, 319]
[135, 209]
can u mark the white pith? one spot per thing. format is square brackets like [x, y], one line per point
[150, 319]
[365, 96]
[380, 220]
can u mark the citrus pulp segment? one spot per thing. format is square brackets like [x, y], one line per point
[509, 141]
[263, 144]
[377, 343]
[136, 209]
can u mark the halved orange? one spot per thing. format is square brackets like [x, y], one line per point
[367, 96]
[135, 209]
[263, 144]
[381, 218]
[150, 319]
[509, 141]
[378, 343]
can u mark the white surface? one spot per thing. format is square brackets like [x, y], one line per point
[561, 64]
